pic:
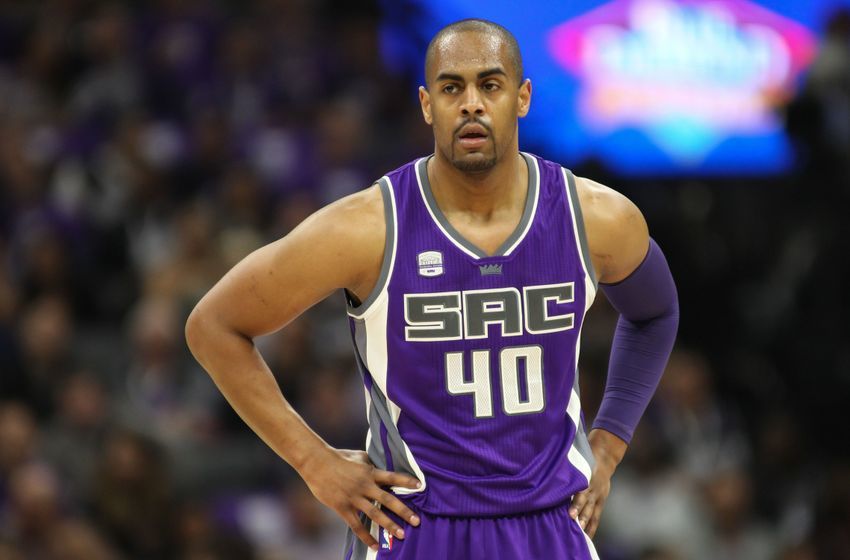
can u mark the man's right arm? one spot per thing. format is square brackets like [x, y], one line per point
[340, 246]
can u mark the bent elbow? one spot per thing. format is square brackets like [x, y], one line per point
[208, 337]
[194, 330]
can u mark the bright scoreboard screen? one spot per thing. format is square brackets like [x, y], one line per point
[648, 87]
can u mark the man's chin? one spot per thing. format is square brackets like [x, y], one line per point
[474, 163]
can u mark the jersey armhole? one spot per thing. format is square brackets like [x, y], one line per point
[578, 223]
[388, 198]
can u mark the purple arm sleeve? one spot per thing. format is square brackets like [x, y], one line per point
[649, 317]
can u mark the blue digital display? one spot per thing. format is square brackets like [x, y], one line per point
[648, 87]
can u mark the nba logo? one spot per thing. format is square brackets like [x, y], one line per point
[387, 541]
[430, 263]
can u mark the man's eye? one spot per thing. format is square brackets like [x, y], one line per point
[491, 86]
[450, 88]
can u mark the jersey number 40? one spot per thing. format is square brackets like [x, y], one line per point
[480, 388]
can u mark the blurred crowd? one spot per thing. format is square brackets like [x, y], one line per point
[146, 147]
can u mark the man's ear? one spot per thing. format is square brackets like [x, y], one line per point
[524, 98]
[425, 103]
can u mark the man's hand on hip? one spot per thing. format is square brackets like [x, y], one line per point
[587, 506]
[348, 483]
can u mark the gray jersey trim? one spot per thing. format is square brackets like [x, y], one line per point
[581, 442]
[389, 249]
[382, 414]
[376, 446]
[521, 229]
[582, 236]
[376, 451]
[530, 205]
[379, 413]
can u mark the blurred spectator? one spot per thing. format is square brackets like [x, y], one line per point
[786, 484]
[183, 37]
[131, 496]
[331, 406]
[311, 531]
[192, 264]
[112, 84]
[820, 118]
[209, 140]
[76, 539]
[46, 267]
[242, 226]
[45, 336]
[11, 380]
[163, 396]
[74, 437]
[341, 130]
[18, 440]
[33, 510]
[292, 211]
[831, 534]
[290, 357]
[655, 553]
[291, 525]
[241, 74]
[804, 551]
[652, 506]
[201, 539]
[8, 551]
[829, 79]
[737, 533]
[705, 434]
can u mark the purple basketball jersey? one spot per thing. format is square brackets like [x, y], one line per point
[469, 360]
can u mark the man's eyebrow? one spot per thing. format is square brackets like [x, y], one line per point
[449, 77]
[458, 78]
[491, 72]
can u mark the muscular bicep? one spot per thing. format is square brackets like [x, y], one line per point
[339, 246]
[617, 234]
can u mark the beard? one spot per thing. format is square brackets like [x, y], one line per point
[477, 162]
[478, 165]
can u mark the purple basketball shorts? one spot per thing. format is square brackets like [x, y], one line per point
[549, 534]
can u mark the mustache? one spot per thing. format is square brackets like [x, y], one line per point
[471, 121]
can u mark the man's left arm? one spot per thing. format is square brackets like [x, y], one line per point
[636, 279]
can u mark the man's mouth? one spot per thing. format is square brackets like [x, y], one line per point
[472, 136]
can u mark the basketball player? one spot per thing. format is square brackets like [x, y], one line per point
[468, 274]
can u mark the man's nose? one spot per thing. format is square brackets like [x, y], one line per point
[472, 102]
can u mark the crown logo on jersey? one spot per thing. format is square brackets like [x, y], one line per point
[430, 263]
[490, 269]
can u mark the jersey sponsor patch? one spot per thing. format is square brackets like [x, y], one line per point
[430, 263]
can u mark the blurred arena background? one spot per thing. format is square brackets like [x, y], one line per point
[146, 147]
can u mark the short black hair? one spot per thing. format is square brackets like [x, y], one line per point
[479, 25]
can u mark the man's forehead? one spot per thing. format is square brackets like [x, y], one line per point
[468, 51]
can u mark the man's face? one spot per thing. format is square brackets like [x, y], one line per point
[473, 100]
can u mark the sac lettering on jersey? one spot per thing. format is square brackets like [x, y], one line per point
[470, 314]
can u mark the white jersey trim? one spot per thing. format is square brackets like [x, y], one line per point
[379, 292]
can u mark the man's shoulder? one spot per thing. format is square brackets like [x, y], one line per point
[362, 208]
[616, 230]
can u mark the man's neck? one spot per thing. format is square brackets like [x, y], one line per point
[503, 186]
